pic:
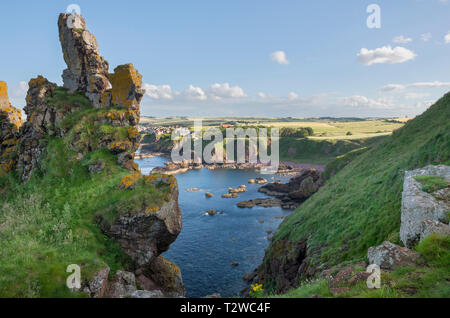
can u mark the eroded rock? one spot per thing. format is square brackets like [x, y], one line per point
[418, 205]
[390, 256]
[10, 123]
[87, 70]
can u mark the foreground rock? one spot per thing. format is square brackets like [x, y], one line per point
[391, 256]
[419, 206]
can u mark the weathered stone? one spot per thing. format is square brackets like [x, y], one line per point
[86, 71]
[98, 286]
[42, 120]
[297, 190]
[10, 123]
[147, 232]
[166, 277]
[285, 265]
[123, 285]
[429, 227]
[147, 294]
[418, 205]
[391, 256]
[126, 87]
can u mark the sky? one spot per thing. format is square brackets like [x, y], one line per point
[282, 58]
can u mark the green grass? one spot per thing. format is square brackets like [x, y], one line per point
[431, 184]
[50, 222]
[429, 279]
[360, 206]
[320, 151]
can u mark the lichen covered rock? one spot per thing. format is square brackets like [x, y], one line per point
[42, 120]
[418, 205]
[144, 231]
[391, 256]
[86, 71]
[10, 123]
[126, 87]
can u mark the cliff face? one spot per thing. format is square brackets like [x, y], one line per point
[10, 123]
[81, 138]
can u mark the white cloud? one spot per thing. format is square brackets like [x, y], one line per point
[195, 93]
[220, 91]
[159, 91]
[292, 96]
[392, 87]
[402, 39]
[385, 55]
[447, 38]
[430, 84]
[21, 89]
[425, 37]
[416, 95]
[363, 101]
[279, 57]
[264, 95]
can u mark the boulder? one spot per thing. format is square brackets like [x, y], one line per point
[390, 256]
[418, 205]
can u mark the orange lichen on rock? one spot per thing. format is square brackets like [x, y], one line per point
[157, 179]
[126, 85]
[10, 123]
[120, 146]
[129, 181]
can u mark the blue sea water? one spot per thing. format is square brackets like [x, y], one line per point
[204, 249]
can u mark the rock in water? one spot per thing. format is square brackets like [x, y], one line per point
[86, 71]
[10, 123]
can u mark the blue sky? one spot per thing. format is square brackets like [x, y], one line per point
[248, 57]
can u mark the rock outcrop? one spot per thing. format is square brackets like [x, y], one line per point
[89, 116]
[87, 70]
[391, 256]
[146, 232]
[420, 210]
[10, 123]
[297, 190]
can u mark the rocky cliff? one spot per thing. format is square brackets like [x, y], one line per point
[81, 138]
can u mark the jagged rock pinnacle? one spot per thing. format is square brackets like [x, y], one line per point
[86, 71]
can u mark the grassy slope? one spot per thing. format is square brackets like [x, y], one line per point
[309, 150]
[360, 206]
[429, 279]
[49, 223]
